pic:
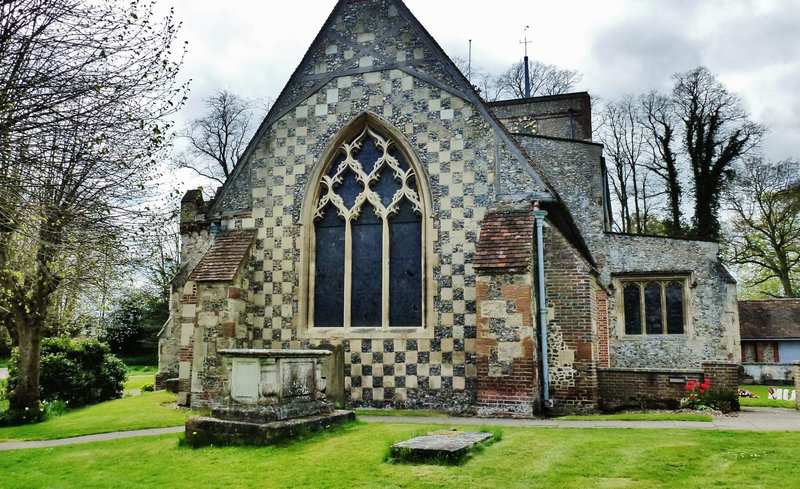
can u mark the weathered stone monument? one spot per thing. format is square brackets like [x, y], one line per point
[269, 395]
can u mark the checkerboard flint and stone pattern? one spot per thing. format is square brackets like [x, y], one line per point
[457, 148]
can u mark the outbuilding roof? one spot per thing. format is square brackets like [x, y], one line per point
[506, 240]
[769, 319]
[223, 259]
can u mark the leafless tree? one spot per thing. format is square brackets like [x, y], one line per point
[545, 79]
[661, 124]
[765, 229]
[217, 140]
[627, 148]
[84, 91]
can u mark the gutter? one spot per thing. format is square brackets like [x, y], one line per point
[540, 215]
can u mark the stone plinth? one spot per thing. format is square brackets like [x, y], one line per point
[269, 395]
[797, 381]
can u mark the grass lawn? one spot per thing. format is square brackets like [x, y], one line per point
[137, 381]
[4, 361]
[352, 458]
[640, 417]
[128, 413]
[142, 369]
[763, 392]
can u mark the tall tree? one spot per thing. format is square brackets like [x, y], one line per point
[85, 87]
[717, 133]
[217, 140]
[765, 229]
[545, 79]
[661, 125]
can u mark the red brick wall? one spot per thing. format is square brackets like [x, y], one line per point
[639, 388]
[572, 300]
[722, 374]
[642, 388]
[604, 359]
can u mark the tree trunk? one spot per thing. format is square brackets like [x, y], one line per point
[26, 391]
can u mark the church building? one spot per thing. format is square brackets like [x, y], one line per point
[453, 254]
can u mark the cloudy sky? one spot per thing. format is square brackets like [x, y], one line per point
[620, 46]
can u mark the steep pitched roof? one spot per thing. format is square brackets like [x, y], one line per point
[769, 319]
[223, 259]
[434, 67]
[506, 240]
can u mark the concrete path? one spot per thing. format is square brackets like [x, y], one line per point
[3, 373]
[116, 435]
[749, 419]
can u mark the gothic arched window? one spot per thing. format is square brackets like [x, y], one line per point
[367, 251]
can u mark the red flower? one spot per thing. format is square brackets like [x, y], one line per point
[702, 391]
[687, 387]
[707, 381]
[691, 397]
[705, 386]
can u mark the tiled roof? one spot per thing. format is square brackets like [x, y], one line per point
[222, 261]
[769, 319]
[506, 240]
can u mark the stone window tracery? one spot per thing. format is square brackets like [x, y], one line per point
[654, 306]
[367, 259]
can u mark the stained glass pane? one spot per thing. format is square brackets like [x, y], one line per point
[387, 186]
[652, 308]
[405, 267]
[397, 155]
[367, 267]
[329, 271]
[368, 155]
[674, 308]
[349, 189]
[633, 310]
[335, 166]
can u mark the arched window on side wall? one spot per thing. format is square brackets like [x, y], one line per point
[367, 259]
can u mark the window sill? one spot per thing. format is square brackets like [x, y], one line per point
[366, 333]
[643, 337]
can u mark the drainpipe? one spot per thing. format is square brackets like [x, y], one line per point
[540, 215]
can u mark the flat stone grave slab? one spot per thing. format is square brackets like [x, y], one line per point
[445, 444]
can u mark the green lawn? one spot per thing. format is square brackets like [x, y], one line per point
[129, 413]
[142, 369]
[137, 381]
[763, 392]
[352, 458]
[4, 361]
[640, 417]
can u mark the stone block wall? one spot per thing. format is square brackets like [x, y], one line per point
[564, 116]
[572, 326]
[508, 381]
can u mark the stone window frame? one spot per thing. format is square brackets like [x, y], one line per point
[685, 280]
[304, 318]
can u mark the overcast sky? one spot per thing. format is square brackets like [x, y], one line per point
[620, 46]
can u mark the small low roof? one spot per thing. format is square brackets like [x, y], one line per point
[769, 319]
[506, 240]
[223, 259]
